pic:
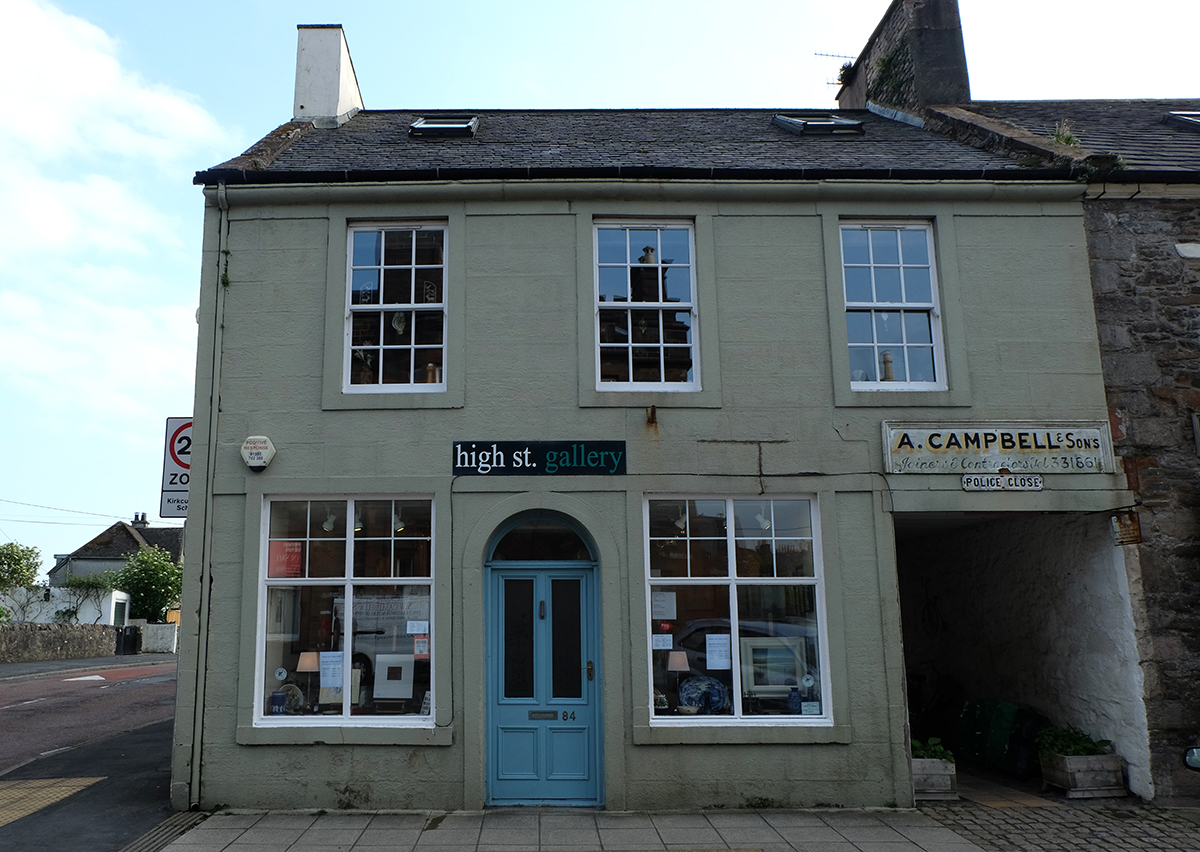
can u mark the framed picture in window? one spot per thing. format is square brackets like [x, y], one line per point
[394, 676]
[772, 665]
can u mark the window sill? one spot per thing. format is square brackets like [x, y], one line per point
[344, 735]
[692, 734]
[367, 390]
[897, 387]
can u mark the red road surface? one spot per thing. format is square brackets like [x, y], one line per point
[45, 713]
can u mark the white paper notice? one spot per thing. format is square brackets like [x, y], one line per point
[418, 627]
[716, 647]
[331, 677]
[662, 604]
[662, 641]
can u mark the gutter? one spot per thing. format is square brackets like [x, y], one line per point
[245, 177]
[205, 609]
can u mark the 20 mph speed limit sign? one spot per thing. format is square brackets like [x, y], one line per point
[177, 468]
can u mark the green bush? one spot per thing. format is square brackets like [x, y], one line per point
[153, 582]
[931, 749]
[1068, 741]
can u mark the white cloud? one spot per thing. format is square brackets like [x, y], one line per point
[75, 98]
[94, 215]
[98, 284]
[94, 362]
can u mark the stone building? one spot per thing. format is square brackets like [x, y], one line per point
[609, 445]
[1138, 162]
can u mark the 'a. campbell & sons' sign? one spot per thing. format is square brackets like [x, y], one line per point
[1014, 446]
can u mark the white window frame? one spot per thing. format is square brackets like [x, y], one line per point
[733, 582]
[347, 581]
[348, 348]
[930, 308]
[662, 307]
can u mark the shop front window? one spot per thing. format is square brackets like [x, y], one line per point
[735, 611]
[348, 593]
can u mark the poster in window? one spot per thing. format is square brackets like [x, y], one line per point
[331, 678]
[716, 649]
[420, 646]
[285, 559]
[662, 604]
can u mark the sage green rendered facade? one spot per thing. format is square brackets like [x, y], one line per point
[774, 416]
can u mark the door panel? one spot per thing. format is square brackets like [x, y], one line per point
[518, 753]
[543, 697]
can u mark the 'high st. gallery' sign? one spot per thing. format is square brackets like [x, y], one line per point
[539, 458]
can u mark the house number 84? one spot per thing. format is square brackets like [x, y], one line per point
[570, 717]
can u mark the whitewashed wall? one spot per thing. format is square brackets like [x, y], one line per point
[30, 606]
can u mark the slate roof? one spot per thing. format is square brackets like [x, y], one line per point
[1135, 129]
[122, 539]
[737, 144]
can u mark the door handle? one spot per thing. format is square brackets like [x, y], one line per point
[591, 670]
[541, 609]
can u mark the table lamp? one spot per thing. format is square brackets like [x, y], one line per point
[677, 662]
[310, 661]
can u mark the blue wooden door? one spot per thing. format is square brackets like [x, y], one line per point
[543, 685]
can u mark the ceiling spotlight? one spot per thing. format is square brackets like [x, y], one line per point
[329, 522]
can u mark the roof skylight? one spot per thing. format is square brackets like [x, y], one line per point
[817, 125]
[1183, 118]
[445, 126]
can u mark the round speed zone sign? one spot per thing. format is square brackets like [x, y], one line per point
[177, 468]
[179, 446]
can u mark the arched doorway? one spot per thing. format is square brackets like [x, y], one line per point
[543, 677]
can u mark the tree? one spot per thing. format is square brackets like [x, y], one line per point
[18, 566]
[153, 582]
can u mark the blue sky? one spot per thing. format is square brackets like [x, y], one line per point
[113, 105]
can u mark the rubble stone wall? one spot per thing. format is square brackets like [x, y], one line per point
[30, 643]
[890, 39]
[1147, 301]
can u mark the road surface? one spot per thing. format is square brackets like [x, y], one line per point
[42, 714]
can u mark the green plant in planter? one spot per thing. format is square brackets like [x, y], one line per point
[1068, 741]
[931, 749]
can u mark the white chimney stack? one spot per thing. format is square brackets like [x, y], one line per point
[326, 88]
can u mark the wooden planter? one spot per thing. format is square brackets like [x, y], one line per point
[1089, 776]
[934, 780]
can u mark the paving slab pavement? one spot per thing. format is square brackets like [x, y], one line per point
[963, 826]
[993, 816]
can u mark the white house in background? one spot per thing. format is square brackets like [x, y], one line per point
[50, 604]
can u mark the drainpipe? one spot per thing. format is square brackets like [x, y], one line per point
[214, 402]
